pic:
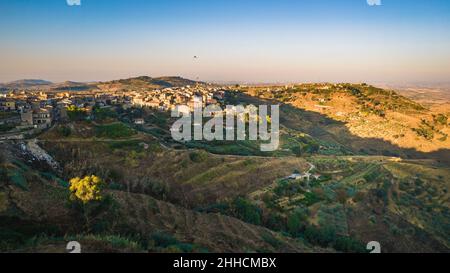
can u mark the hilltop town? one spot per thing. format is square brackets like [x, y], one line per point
[25, 112]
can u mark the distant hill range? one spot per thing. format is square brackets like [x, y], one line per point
[24, 84]
[139, 82]
[33, 84]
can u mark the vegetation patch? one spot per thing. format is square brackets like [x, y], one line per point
[18, 179]
[114, 131]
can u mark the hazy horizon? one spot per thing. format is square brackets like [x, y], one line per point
[445, 84]
[265, 41]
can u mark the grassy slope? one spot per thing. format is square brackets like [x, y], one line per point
[403, 205]
[42, 207]
[357, 116]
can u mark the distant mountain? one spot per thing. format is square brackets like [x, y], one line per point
[144, 82]
[26, 83]
[31, 82]
[46, 85]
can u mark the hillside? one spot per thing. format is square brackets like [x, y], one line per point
[362, 116]
[36, 215]
[145, 82]
[72, 86]
[401, 203]
[356, 164]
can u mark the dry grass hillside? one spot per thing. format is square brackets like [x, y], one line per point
[368, 113]
[37, 215]
[356, 164]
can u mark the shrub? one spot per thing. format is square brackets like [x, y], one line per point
[246, 211]
[116, 130]
[86, 189]
[312, 147]
[64, 131]
[359, 196]
[104, 113]
[426, 133]
[297, 150]
[75, 113]
[441, 119]
[3, 175]
[198, 157]
[275, 221]
[164, 240]
[10, 239]
[371, 176]
[349, 245]
[341, 196]
[271, 240]
[18, 179]
[296, 222]
[324, 237]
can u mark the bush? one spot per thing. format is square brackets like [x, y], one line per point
[10, 239]
[296, 222]
[371, 176]
[312, 147]
[116, 130]
[64, 131]
[104, 113]
[275, 221]
[3, 175]
[426, 133]
[97, 216]
[342, 196]
[18, 180]
[441, 119]
[76, 114]
[349, 245]
[297, 150]
[86, 189]
[2, 160]
[271, 240]
[198, 157]
[246, 211]
[323, 237]
[163, 240]
[160, 189]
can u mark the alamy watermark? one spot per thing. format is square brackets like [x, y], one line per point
[374, 2]
[73, 247]
[190, 125]
[73, 2]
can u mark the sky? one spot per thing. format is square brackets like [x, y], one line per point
[399, 41]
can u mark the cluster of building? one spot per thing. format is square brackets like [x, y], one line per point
[26, 112]
[40, 109]
[167, 99]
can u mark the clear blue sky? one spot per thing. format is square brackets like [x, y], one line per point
[236, 40]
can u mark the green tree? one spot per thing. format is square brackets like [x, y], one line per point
[296, 222]
[297, 150]
[75, 113]
[246, 211]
